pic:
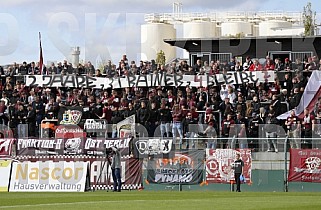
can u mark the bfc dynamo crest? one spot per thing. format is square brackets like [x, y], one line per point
[71, 117]
[154, 146]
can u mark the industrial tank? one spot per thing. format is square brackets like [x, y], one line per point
[236, 27]
[273, 27]
[152, 36]
[199, 29]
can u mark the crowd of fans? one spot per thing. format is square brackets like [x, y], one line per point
[225, 110]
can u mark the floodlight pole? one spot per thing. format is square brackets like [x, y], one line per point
[286, 183]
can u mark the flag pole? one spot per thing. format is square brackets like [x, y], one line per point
[41, 56]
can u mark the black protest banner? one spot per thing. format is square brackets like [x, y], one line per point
[184, 168]
[157, 148]
[149, 80]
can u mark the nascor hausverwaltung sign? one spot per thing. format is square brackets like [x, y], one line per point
[48, 176]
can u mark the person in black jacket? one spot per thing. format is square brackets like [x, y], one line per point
[190, 125]
[270, 128]
[153, 119]
[165, 118]
[238, 166]
[31, 120]
[142, 117]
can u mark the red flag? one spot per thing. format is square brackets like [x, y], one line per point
[41, 57]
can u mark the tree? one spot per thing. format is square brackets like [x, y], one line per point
[308, 20]
[160, 58]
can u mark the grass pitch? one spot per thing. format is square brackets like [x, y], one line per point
[169, 200]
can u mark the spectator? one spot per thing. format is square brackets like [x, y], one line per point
[165, 118]
[177, 116]
[293, 125]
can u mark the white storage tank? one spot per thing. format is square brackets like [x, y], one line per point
[234, 28]
[152, 36]
[273, 27]
[199, 29]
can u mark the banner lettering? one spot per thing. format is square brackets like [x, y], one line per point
[150, 80]
[48, 176]
[183, 168]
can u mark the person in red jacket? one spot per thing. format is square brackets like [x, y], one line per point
[256, 66]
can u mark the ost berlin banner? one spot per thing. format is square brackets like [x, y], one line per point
[6, 147]
[219, 164]
[98, 146]
[71, 146]
[183, 168]
[150, 80]
[305, 165]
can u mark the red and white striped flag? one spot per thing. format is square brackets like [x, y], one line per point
[41, 57]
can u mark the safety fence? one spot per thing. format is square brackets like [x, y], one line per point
[81, 164]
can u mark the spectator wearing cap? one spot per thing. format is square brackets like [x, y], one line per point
[287, 64]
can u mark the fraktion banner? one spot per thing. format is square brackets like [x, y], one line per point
[58, 146]
[305, 165]
[183, 168]
[219, 164]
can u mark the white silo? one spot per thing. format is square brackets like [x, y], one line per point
[75, 52]
[152, 36]
[199, 29]
[273, 27]
[234, 28]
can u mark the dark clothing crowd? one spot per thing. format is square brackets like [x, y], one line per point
[225, 110]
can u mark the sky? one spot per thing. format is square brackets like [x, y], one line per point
[104, 29]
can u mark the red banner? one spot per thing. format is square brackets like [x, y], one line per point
[305, 165]
[219, 164]
[6, 147]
